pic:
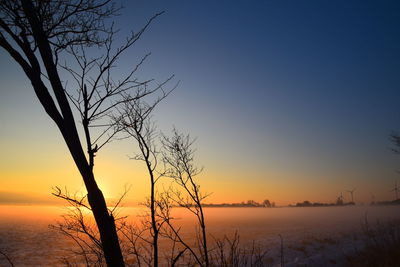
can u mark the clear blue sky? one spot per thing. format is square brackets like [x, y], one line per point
[299, 94]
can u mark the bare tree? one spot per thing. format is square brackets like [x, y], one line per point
[134, 119]
[395, 190]
[37, 35]
[178, 155]
[395, 138]
[267, 203]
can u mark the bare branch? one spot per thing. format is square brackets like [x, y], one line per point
[8, 259]
[77, 202]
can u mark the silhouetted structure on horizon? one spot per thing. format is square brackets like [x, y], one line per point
[352, 194]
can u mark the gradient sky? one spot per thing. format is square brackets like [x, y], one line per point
[289, 100]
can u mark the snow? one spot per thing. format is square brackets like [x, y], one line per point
[311, 236]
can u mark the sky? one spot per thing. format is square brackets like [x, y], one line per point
[287, 100]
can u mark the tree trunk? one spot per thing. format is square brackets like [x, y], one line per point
[66, 124]
[107, 229]
[105, 222]
[153, 219]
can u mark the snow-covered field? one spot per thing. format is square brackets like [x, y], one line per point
[313, 236]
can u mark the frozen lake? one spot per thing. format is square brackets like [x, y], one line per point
[315, 235]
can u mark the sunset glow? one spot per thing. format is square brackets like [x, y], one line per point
[199, 133]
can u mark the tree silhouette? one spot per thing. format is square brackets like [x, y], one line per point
[134, 119]
[178, 156]
[38, 35]
[267, 203]
[395, 137]
[7, 258]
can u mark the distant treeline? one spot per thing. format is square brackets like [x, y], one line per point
[393, 202]
[341, 203]
[268, 204]
[250, 203]
[307, 203]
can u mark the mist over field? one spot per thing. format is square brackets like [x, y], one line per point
[313, 236]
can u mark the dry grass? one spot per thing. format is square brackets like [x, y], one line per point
[229, 252]
[382, 246]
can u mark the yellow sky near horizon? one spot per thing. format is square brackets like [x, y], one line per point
[33, 169]
[33, 160]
